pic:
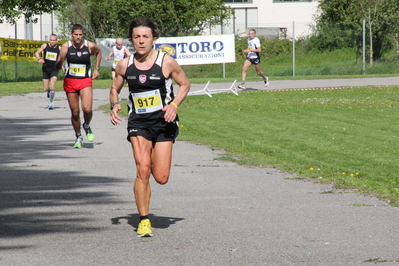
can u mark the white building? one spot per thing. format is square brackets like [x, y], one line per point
[271, 18]
[40, 31]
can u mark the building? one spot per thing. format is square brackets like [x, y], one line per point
[271, 18]
[40, 31]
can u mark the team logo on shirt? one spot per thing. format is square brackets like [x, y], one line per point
[142, 78]
[79, 54]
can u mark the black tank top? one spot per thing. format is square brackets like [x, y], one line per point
[78, 61]
[50, 56]
[149, 91]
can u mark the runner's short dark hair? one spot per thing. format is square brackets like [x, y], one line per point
[143, 22]
[77, 27]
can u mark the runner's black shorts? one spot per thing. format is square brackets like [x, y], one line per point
[254, 61]
[49, 73]
[156, 134]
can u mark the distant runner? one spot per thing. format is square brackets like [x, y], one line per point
[252, 58]
[50, 73]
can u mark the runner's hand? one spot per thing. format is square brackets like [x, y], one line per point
[115, 118]
[170, 113]
[96, 74]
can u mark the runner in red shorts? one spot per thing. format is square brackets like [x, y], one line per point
[78, 79]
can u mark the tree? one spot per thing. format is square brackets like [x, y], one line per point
[339, 24]
[75, 12]
[111, 18]
[12, 10]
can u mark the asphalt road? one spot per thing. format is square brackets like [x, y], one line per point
[65, 206]
[295, 84]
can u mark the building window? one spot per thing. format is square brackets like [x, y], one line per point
[238, 1]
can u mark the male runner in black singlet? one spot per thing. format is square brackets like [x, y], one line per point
[152, 125]
[51, 52]
[78, 79]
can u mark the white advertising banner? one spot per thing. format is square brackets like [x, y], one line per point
[190, 50]
[197, 50]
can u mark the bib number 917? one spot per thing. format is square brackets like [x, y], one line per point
[147, 102]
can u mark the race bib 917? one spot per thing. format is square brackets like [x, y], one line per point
[147, 102]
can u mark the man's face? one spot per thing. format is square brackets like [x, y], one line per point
[53, 41]
[143, 40]
[251, 34]
[118, 45]
[77, 36]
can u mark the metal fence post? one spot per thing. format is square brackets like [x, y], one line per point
[293, 48]
[364, 47]
[16, 62]
[224, 64]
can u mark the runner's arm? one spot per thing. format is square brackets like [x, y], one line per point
[178, 75]
[95, 50]
[111, 54]
[37, 53]
[127, 52]
[61, 58]
[117, 84]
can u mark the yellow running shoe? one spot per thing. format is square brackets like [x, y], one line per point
[144, 228]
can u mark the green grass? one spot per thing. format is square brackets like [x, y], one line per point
[347, 137]
[19, 88]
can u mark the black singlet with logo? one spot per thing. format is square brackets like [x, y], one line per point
[78, 61]
[144, 87]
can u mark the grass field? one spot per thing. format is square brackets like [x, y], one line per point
[347, 137]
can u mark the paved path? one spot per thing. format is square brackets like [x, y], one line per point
[65, 206]
[298, 84]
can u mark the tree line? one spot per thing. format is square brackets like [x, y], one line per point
[337, 23]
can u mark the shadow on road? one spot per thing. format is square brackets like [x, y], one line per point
[36, 201]
[156, 221]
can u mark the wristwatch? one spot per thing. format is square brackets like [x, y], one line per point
[113, 104]
[97, 68]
